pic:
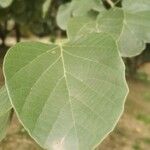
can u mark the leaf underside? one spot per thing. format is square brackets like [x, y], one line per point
[5, 104]
[5, 107]
[68, 96]
[77, 8]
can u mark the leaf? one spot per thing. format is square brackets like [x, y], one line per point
[123, 24]
[79, 26]
[64, 13]
[5, 3]
[67, 96]
[137, 27]
[5, 107]
[4, 119]
[76, 8]
[130, 25]
[5, 104]
[46, 6]
[111, 21]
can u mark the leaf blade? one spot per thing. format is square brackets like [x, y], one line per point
[4, 119]
[5, 104]
[56, 105]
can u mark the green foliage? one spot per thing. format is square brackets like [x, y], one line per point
[57, 90]
[5, 3]
[146, 96]
[122, 23]
[5, 107]
[144, 118]
[70, 95]
[46, 6]
[4, 120]
[136, 146]
[77, 8]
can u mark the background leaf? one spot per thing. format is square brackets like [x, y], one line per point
[77, 8]
[136, 27]
[129, 25]
[46, 6]
[68, 96]
[64, 13]
[5, 3]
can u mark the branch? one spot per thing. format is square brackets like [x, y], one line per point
[110, 3]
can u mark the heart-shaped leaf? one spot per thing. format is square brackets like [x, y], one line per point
[46, 6]
[80, 26]
[68, 96]
[5, 106]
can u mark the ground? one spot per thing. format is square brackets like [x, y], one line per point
[131, 133]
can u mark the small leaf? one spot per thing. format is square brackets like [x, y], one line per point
[46, 6]
[5, 107]
[123, 24]
[5, 104]
[111, 21]
[77, 8]
[68, 96]
[5, 3]
[79, 26]
[81, 7]
[64, 13]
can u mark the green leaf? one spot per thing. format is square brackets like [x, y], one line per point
[81, 7]
[64, 13]
[67, 96]
[5, 3]
[5, 107]
[46, 6]
[77, 8]
[111, 21]
[5, 104]
[136, 27]
[80, 26]
[4, 119]
[130, 26]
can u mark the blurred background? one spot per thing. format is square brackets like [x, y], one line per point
[35, 20]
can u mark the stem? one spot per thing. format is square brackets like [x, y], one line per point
[18, 34]
[11, 115]
[117, 2]
[110, 3]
